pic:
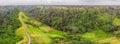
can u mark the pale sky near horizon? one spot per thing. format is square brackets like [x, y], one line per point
[59, 2]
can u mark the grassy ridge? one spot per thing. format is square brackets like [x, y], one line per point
[39, 35]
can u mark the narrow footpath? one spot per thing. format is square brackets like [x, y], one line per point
[21, 15]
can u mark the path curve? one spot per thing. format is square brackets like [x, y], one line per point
[21, 14]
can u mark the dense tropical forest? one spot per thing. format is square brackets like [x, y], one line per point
[59, 25]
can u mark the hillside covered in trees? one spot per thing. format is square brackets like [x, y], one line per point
[59, 25]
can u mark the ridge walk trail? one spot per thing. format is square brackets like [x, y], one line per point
[40, 35]
[21, 15]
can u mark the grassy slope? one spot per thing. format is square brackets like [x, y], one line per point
[100, 37]
[39, 35]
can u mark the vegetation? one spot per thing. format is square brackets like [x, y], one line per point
[60, 25]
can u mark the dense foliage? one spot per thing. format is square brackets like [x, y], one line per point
[8, 25]
[76, 19]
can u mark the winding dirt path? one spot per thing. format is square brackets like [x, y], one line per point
[21, 15]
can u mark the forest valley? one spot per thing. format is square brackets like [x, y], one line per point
[59, 25]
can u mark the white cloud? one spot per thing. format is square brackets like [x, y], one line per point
[59, 2]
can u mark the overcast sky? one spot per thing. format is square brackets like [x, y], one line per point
[59, 2]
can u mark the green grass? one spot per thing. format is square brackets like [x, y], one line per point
[96, 35]
[116, 21]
